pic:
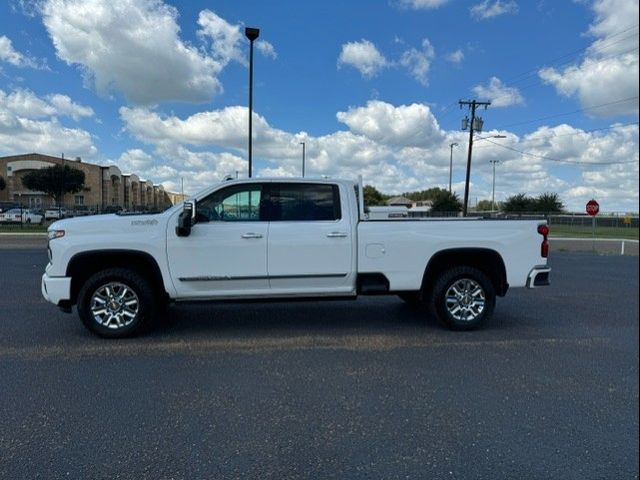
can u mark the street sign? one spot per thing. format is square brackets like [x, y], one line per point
[593, 207]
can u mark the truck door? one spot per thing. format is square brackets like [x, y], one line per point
[226, 253]
[310, 240]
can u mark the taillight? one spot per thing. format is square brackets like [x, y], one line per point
[544, 247]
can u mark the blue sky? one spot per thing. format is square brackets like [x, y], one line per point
[160, 89]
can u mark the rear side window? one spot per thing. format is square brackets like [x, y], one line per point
[303, 202]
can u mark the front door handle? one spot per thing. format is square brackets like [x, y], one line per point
[336, 235]
[251, 235]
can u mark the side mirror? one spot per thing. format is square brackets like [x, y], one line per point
[186, 219]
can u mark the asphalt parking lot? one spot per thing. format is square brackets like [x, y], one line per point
[364, 389]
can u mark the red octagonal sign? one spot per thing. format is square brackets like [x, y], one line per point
[593, 207]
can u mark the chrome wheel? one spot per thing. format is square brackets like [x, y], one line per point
[114, 305]
[465, 300]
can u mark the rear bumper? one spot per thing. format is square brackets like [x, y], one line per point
[56, 290]
[539, 276]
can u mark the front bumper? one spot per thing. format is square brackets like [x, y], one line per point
[539, 276]
[56, 290]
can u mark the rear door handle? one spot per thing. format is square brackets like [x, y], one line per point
[336, 235]
[251, 235]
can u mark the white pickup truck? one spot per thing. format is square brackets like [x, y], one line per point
[287, 239]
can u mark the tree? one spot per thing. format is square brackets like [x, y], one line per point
[429, 194]
[446, 201]
[55, 181]
[548, 203]
[544, 203]
[518, 203]
[3, 183]
[485, 206]
[373, 197]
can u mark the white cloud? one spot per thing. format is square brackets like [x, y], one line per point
[171, 165]
[27, 104]
[405, 125]
[396, 148]
[488, 9]
[421, 4]
[418, 61]
[609, 71]
[28, 123]
[455, 57]
[363, 56]
[13, 57]
[133, 46]
[226, 39]
[266, 49]
[136, 161]
[498, 93]
[226, 127]
[65, 106]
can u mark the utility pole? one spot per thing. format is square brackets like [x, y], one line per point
[303, 155]
[451, 145]
[475, 124]
[493, 192]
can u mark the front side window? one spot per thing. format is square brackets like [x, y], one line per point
[304, 202]
[238, 203]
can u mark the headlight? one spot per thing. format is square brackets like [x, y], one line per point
[53, 234]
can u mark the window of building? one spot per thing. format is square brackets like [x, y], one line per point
[79, 200]
[303, 202]
[239, 203]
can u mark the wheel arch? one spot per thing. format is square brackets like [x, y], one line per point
[82, 265]
[486, 260]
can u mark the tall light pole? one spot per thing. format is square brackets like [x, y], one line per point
[251, 34]
[451, 145]
[493, 191]
[303, 155]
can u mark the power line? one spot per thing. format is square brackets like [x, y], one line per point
[554, 135]
[592, 130]
[529, 73]
[605, 44]
[542, 82]
[544, 157]
[573, 112]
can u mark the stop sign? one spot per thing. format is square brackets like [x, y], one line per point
[593, 207]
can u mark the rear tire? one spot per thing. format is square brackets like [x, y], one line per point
[116, 303]
[463, 298]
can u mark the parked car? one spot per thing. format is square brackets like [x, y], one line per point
[55, 213]
[82, 211]
[286, 239]
[112, 209]
[4, 206]
[16, 215]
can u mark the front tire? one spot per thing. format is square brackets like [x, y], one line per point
[116, 303]
[463, 298]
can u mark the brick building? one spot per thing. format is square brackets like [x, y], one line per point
[105, 187]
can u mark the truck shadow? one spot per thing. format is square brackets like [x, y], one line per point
[369, 315]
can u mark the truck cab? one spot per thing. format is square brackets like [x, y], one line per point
[285, 239]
